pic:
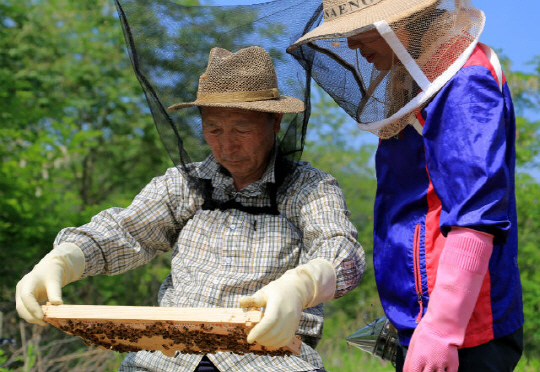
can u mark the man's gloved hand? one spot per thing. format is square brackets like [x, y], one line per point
[462, 267]
[63, 265]
[283, 299]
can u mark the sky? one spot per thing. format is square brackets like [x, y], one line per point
[512, 27]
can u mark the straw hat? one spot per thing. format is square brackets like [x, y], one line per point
[343, 18]
[245, 79]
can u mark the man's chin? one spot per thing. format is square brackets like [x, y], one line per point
[234, 165]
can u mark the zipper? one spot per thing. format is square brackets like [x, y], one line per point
[417, 273]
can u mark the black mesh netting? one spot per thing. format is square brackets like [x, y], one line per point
[169, 44]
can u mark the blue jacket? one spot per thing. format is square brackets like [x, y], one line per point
[459, 172]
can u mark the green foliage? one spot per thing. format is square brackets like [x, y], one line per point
[80, 138]
[526, 93]
[527, 145]
[338, 355]
[27, 361]
[528, 191]
[3, 359]
[525, 87]
[527, 364]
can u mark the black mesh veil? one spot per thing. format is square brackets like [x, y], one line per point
[169, 44]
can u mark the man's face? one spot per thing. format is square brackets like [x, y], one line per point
[373, 48]
[241, 140]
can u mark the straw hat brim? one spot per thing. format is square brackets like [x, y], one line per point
[283, 105]
[361, 20]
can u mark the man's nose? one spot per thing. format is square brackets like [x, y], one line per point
[229, 143]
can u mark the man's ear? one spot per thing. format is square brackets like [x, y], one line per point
[277, 122]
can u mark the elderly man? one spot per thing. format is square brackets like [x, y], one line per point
[247, 227]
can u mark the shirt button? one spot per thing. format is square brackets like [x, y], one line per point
[216, 281]
[227, 260]
[237, 200]
[232, 227]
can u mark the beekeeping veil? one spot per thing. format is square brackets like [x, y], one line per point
[430, 41]
[171, 46]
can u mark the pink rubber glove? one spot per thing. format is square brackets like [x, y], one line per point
[462, 267]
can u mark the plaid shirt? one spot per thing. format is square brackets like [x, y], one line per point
[219, 256]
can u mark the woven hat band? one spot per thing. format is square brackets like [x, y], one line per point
[345, 7]
[257, 95]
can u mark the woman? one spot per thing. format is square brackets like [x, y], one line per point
[445, 230]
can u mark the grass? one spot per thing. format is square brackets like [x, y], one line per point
[338, 355]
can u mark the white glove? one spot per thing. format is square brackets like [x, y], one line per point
[283, 299]
[63, 265]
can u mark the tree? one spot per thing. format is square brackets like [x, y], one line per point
[77, 135]
[526, 93]
[336, 145]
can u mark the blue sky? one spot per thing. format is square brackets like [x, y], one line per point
[514, 28]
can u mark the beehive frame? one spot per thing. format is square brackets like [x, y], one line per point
[168, 329]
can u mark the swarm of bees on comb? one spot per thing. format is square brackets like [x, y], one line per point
[170, 330]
